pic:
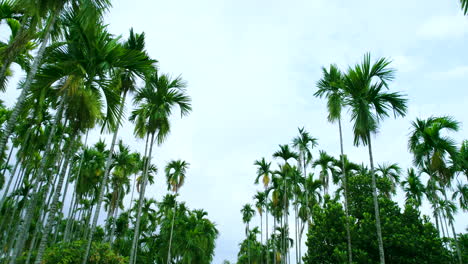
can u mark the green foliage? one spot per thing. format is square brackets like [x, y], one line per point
[408, 237]
[72, 253]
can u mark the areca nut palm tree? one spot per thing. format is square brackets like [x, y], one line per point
[369, 103]
[176, 171]
[155, 104]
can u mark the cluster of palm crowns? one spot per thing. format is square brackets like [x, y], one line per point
[363, 89]
[78, 80]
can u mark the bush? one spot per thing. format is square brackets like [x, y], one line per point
[72, 253]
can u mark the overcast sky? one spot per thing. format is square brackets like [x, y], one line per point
[251, 68]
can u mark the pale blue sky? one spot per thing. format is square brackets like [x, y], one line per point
[251, 68]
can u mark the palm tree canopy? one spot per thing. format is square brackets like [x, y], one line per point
[331, 86]
[285, 153]
[156, 101]
[464, 5]
[433, 151]
[247, 213]
[369, 103]
[303, 144]
[176, 171]
[413, 187]
[263, 170]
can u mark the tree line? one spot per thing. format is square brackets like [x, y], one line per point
[54, 185]
[359, 222]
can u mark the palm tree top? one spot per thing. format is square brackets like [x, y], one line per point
[285, 153]
[364, 86]
[176, 171]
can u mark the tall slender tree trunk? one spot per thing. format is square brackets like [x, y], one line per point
[7, 188]
[23, 230]
[144, 167]
[266, 233]
[457, 245]
[136, 235]
[248, 242]
[103, 185]
[27, 85]
[53, 206]
[274, 244]
[376, 205]
[172, 230]
[296, 233]
[261, 235]
[114, 219]
[345, 185]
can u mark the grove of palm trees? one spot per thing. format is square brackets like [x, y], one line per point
[109, 155]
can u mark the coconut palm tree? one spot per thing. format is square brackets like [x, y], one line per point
[369, 104]
[413, 187]
[175, 176]
[247, 213]
[155, 103]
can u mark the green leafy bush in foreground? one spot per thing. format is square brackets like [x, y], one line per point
[71, 253]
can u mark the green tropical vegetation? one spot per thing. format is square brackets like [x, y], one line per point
[66, 200]
[56, 188]
[359, 222]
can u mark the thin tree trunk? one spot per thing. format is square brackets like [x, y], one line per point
[71, 217]
[5, 193]
[266, 233]
[457, 245]
[23, 231]
[27, 85]
[274, 244]
[172, 230]
[5, 167]
[136, 235]
[134, 178]
[261, 235]
[345, 185]
[53, 206]
[103, 185]
[248, 242]
[114, 219]
[376, 205]
[295, 232]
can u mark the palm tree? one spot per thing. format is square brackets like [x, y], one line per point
[326, 164]
[247, 213]
[392, 173]
[413, 187]
[155, 105]
[260, 202]
[51, 9]
[304, 143]
[461, 192]
[286, 154]
[124, 79]
[369, 105]
[175, 176]
[125, 164]
[263, 170]
[464, 6]
[435, 153]
[331, 86]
